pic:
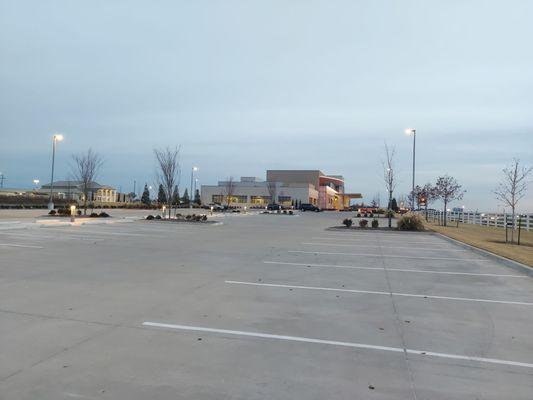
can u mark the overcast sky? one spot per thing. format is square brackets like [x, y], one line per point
[244, 86]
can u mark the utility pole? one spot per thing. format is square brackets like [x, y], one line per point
[2, 177]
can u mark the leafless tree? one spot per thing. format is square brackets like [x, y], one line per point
[86, 168]
[272, 190]
[447, 189]
[388, 177]
[229, 189]
[513, 187]
[168, 172]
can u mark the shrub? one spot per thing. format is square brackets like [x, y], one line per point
[158, 217]
[284, 211]
[93, 215]
[150, 217]
[290, 212]
[188, 217]
[103, 214]
[78, 212]
[347, 222]
[204, 217]
[363, 223]
[371, 215]
[358, 215]
[375, 223]
[389, 213]
[52, 212]
[410, 222]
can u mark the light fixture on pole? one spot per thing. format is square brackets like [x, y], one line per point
[411, 131]
[36, 183]
[56, 138]
[193, 170]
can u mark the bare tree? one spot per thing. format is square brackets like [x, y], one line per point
[447, 189]
[414, 196]
[229, 189]
[85, 170]
[513, 187]
[388, 177]
[168, 172]
[272, 190]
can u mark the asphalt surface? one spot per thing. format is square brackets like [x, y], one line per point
[259, 307]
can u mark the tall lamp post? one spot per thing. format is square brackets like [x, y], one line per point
[411, 131]
[56, 138]
[36, 183]
[193, 170]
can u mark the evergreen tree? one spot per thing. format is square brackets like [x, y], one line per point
[185, 199]
[161, 196]
[176, 196]
[197, 199]
[394, 205]
[145, 198]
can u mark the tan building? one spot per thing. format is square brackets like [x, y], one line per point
[72, 190]
[286, 187]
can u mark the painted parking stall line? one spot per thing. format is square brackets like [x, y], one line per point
[386, 247]
[21, 245]
[423, 296]
[384, 255]
[373, 240]
[364, 346]
[422, 271]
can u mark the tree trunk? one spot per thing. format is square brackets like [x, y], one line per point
[445, 205]
[512, 224]
[390, 214]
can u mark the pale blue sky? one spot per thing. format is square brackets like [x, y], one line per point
[248, 85]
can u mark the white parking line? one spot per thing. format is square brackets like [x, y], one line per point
[21, 245]
[356, 240]
[424, 271]
[96, 233]
[385, 247]
[384, 255]
[424, 296]
[40, 237]
[189, 328]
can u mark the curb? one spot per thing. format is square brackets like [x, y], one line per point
[517, 266]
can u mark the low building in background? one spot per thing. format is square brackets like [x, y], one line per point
[285, 187]
[72, 190]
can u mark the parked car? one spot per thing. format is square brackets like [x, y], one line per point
[273, 207]
[215, 206]
[309, 207]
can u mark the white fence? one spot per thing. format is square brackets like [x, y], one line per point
[525, 221]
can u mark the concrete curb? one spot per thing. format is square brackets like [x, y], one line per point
[506, 261]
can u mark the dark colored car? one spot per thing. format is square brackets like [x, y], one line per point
[273, 207]
[309, 207]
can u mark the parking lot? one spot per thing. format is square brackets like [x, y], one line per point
[259, 307]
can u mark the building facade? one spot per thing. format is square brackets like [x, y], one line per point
[72, 190]
[285, 187]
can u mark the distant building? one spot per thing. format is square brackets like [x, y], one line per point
[283, 187]
[72, 190]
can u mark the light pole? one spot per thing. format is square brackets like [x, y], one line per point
[411, 131]
[193, 170]
[36, 183]
[56, 138]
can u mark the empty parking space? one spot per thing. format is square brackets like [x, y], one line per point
[259, 307]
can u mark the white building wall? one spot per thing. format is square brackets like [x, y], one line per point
[302, 193]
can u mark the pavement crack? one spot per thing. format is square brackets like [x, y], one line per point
[397, 320]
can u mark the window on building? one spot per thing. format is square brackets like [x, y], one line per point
[285, 200]
[260, 199]
[239, 199]
[217, 198]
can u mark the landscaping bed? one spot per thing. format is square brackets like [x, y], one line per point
[189, 219]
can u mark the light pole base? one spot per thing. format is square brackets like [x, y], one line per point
[50, 205]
